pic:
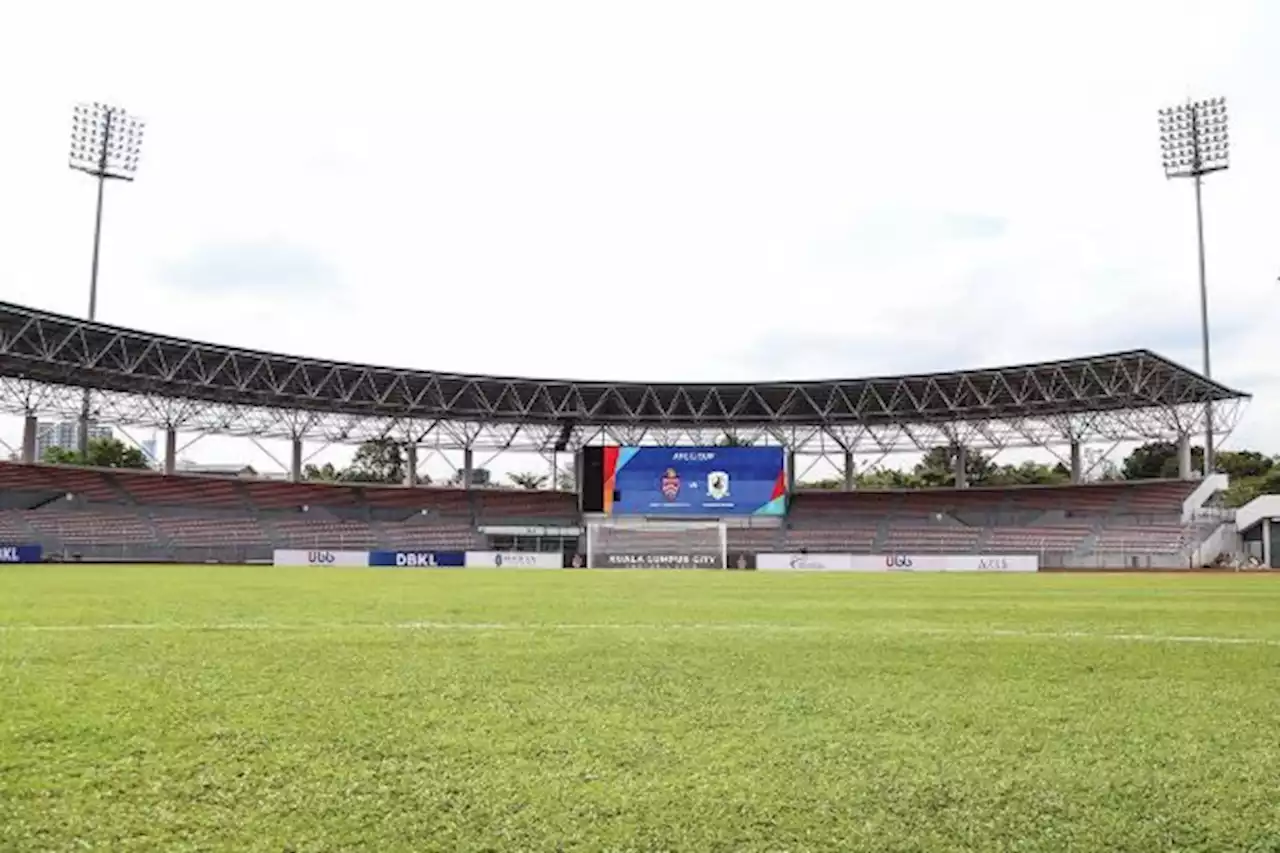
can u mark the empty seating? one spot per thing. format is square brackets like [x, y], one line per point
[267, 494]
[75, 527]
[453, 503]
[123, 508]
[1037, 539]
[946, 539]
[497, 505]
[84, 482]
[416, 535]
[325, 533]
[212, 532]
[157, 489]
[1153, 538]
[13, 531]
[1039, 519]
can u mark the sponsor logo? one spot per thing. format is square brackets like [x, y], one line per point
[420, 560]
[718, 485]
[687, 456]
[992, 564]
[321, 558]
[9, 555]
[670, 484]
[661, 561]
[802, 561]
[897, 561]
[501, 560]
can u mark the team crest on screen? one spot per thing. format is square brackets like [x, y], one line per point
[670, 484]
[717, 485]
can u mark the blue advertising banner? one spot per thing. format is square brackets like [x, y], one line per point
[20, 553]
[419, 559]
[706, 481]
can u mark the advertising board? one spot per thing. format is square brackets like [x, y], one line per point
[656, 560]
[320, 558]
[944, 563]
[899, 562]
[20, 553]
[512, 560]
[418, 559]
[694, 481]
[805, 562]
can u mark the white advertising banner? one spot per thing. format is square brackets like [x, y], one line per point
[321, 558]
[805, 562]
[508, 560]
[899, 562]
[947, 563]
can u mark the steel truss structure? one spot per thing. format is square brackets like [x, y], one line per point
[150, 380]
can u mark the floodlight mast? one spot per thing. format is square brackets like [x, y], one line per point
[1194, 142]
[105, 143]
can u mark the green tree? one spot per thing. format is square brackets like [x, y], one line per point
[528, 480]
[479, 477]
[1158, 460]
[325, 473]
[102, 453]
[565, 480]
[1243, 463]
[938, 467]
[828, 483]
[1029, 473]
[380, 460]
[886, 478]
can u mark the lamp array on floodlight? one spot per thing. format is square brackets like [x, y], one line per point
[1194, 139]
[105, 141]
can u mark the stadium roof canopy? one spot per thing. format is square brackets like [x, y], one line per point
[175, 383]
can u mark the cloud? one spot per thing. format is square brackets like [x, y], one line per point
[267, 267]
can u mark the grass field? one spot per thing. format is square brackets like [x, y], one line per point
[218, 708]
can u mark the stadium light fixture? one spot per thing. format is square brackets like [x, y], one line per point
[105, 142]
[1194, 142]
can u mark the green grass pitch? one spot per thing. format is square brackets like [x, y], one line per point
[239, 708]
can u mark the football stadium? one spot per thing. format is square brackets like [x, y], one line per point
[230, 662]
[654, 483]
[931, 604]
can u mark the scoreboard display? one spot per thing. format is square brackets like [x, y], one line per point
[684, 481]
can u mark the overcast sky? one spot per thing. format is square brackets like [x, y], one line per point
[691, 190]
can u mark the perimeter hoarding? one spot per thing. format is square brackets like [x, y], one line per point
[899, 562]
[653, 560]
[20, 553]
[694, 481]
[514, 560]
[320, 558]
[418, 559]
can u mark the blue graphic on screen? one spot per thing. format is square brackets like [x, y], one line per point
[697, 481]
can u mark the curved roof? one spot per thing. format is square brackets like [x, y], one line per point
[60, 350]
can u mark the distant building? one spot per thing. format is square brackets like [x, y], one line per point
[66, 435]
[217, 469]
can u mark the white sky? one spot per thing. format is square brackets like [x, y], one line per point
[667, 190]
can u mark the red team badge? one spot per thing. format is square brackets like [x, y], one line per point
[670, 484]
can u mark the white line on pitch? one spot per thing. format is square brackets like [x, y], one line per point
[414, 626]
[955, 633]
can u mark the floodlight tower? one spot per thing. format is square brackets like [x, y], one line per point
[1193, 137]
[105, 143]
